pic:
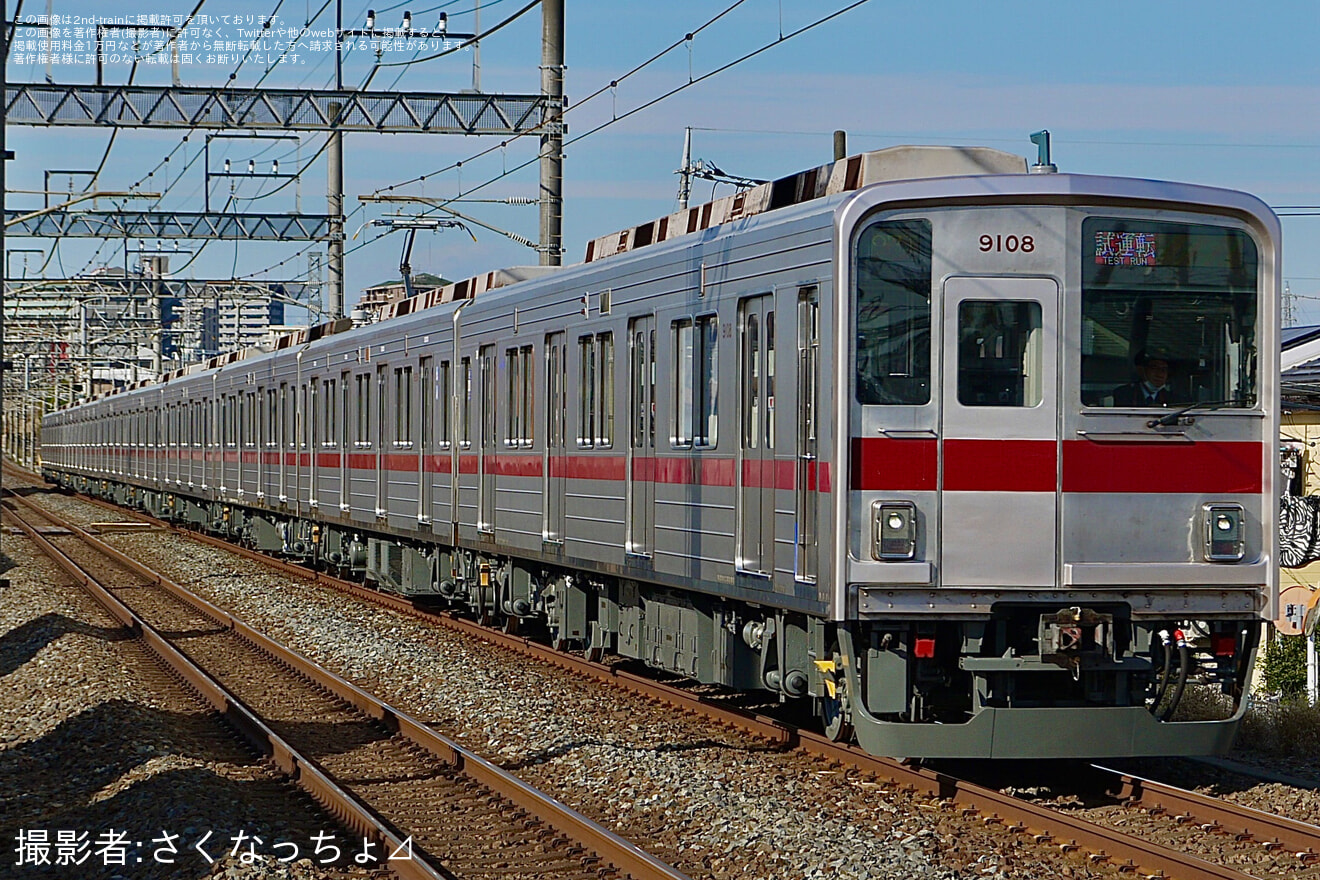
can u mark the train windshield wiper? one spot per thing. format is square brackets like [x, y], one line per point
[1170, 419]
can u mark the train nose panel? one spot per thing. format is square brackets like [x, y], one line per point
[999, 441]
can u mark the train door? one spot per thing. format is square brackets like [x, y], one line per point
[486, 465]
[756, 451]
[312, 431]
[553, 488]
[264, 440]
[425, 434]
[461, 399]
[241, 441]
[641, 446]
[999, 443]
[806, 497]
[282, 442]
[380, 436]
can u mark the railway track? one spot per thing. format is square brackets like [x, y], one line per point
[1291, 847]
[444, 811]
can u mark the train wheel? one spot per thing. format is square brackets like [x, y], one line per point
[833, 708]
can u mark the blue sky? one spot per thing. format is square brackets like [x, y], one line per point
[1209, 92]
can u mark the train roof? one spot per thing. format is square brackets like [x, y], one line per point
[844, 175]
[851, 173]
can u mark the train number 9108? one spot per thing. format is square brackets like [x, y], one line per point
[1010, 243]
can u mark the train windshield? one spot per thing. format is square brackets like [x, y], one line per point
[1168, 314]
[893, 260]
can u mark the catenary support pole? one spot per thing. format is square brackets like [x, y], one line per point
[335, 208]
[552, 138]
[685, 173]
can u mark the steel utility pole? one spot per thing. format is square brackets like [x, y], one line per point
[685, 173]
[552, 138]
[335, 207]
[4, 161]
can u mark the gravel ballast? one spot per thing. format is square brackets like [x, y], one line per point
[97, 739]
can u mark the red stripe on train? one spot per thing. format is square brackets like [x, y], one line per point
[884, 464]
[1227, 468]
[1000, 465]
[756, 473]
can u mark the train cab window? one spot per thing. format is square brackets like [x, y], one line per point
[1168, 314]
[892, 260]
[1000, 351]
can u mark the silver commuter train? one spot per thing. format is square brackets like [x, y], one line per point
[864, 436]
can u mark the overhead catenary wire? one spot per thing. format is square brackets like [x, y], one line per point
[395, 82]
[193, 128]
[577, 105]
[661, 97]
[326, 145]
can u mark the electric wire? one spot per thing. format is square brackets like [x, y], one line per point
[191, 129]
[537, 131]
[395, 82]
[656, 100]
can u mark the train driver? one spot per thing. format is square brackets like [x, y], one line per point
[1153, 388]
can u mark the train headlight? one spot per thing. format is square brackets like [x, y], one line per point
[1223, 532]
[894, 535]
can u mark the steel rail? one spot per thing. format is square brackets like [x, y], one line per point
[1044, 825]
[1216, 814]
[303, 771]
[623, 854]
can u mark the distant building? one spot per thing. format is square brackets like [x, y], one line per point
[243, 320]
[1299, 532]
[379, 297]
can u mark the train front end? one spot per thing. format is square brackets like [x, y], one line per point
[1059, 420]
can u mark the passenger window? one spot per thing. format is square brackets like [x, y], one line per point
[345, 382]
[443, 394]
[518, 430]
[403, 406]
[696, 372]
[272, 418]
[426, 415]
[1000, 353]
[586, 391]
[682, 374]
[596, 391]
[605, 391]
[465, 385]
[330, 413]
[363, 421]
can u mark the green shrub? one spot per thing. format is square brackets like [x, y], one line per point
[1283, 667]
